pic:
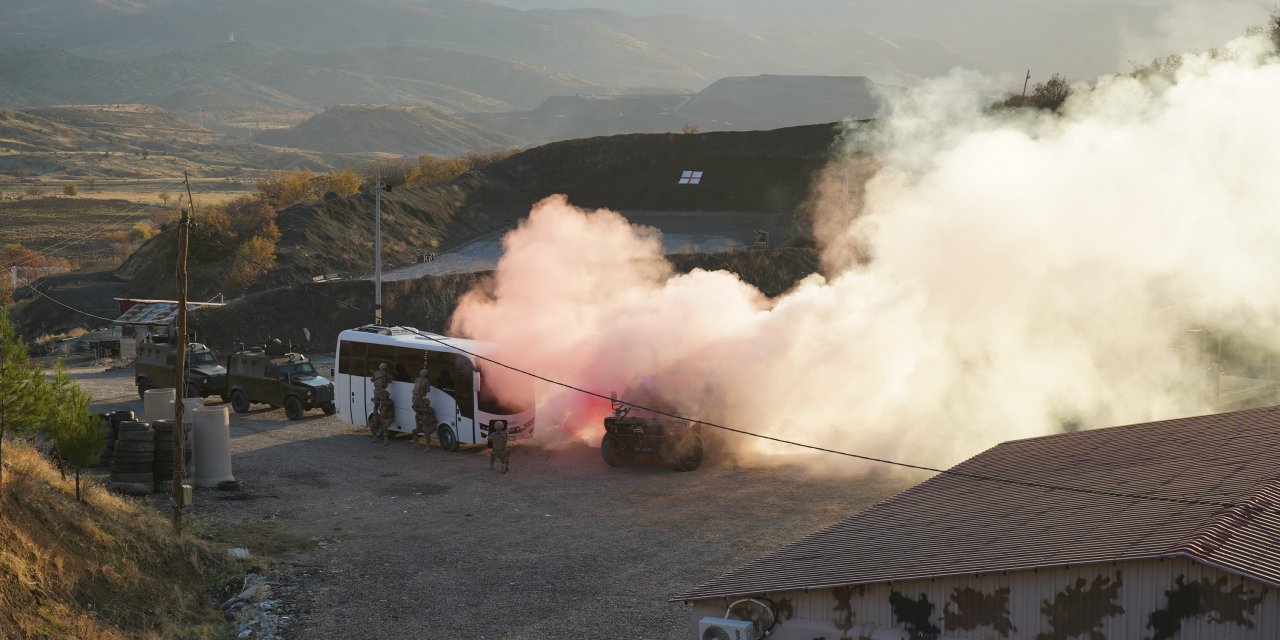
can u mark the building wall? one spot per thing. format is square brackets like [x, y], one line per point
[1141, 599]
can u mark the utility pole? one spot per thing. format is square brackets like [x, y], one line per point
[1025, 83]
[179, 431]
[377, 246]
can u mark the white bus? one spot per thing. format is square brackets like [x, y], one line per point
[462, 387]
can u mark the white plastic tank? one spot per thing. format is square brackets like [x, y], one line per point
[157, 404]
[212, 446]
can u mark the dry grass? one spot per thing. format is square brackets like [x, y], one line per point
[108, 568]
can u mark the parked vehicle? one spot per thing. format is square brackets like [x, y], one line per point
[270, 374]
[156, 367]
[632, 431]
[467, 393]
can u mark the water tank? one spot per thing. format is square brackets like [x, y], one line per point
[212, 446]
[157, 404]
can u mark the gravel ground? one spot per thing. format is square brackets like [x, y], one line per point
[380, 541]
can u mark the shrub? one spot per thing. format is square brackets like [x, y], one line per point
[69, 189]
[1048, 95]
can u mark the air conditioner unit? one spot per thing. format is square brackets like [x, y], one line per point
[725, 629]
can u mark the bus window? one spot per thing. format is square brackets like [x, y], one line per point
[378, 354]
[504, 392]
[408, 363]
[351, 358]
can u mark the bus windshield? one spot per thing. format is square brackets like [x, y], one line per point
[504, 392]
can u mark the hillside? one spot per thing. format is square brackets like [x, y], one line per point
[408, 131]
[759, 171]
[106, 568]
[134, 141]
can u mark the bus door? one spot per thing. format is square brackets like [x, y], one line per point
[465, 393]
[352, 381]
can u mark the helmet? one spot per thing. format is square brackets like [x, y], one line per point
[422, 374]
[382, 367]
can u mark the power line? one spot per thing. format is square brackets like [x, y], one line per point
[857, 456]
[63, 304]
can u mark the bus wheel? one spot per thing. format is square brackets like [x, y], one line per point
[239, 401]
[292, 408]
[448, 439]
[613, 451]
[376, 428]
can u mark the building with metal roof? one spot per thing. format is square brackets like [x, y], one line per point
[1163, 530]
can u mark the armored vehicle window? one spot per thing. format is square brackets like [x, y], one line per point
[379, 354]
[202, 357]
[351, 359]
[299, 369]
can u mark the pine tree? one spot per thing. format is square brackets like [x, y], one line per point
[25, 401]
[78, 436]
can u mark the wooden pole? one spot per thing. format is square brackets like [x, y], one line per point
[1025, 83]
[179, 430]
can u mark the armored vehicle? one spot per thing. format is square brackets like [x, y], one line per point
[157, 363]
[269, 374]
[632, 431]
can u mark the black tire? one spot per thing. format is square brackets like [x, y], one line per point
[143, 386]
[224, 397]
[140, 457]
[448, 439]
[162, 426]
[293, 408]
[123, 415]
[192, 390]
[330, 409]
[133, 477]
[688, 454]
[127, 446]
[375, 426]
[132, 425]
[239, 401]
[615, 454]
[135, 436]
[131, 467]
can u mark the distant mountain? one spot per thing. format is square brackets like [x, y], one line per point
[729, 104]
[409, 131]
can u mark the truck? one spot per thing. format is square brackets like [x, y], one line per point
[156, 367]
[270, 374]
[633, 431]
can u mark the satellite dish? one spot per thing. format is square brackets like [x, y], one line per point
[306, 332]
[758, 610]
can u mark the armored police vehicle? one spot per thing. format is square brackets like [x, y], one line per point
[632, 431]
[156, 367]
[270, 374]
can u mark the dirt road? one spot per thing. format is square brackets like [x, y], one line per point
[388, 541]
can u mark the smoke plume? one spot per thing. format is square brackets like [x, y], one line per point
[988, 276]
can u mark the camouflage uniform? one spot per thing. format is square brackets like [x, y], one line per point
[382, 398]
[425, 415]
[498, 444]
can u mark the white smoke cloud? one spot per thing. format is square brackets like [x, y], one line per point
[1192, 25]
[998, 276]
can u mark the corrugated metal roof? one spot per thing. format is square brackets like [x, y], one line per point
[158, 312]
[952, 525]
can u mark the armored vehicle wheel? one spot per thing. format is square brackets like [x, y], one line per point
[142, 389]
[330, 409]
[376, 428]
[615, 454]
[448, 439]
[225, 398]
[192, 391]
[293, 408]
[688, 454]
[239, 401]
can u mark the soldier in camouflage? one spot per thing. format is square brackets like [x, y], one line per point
[498, 444]
[424, 414]
[382, 406]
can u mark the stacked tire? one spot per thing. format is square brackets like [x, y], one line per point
[109, 434]
[162, 464]
[133, 458]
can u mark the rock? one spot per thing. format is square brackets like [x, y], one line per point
[244, 634]
[239, 553]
